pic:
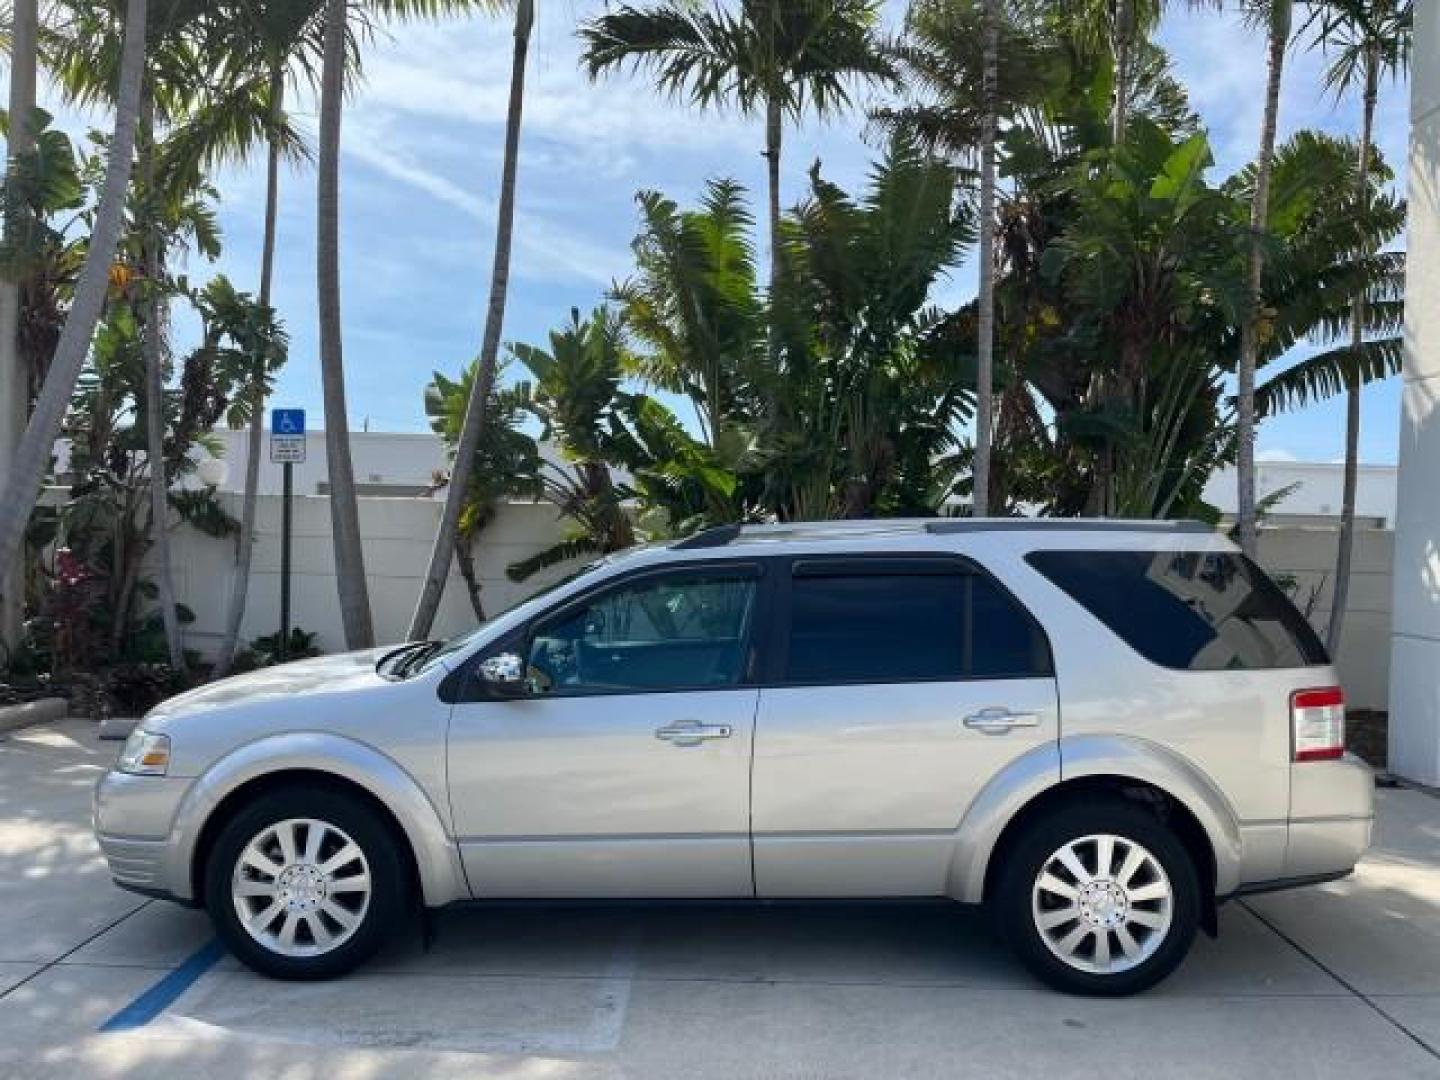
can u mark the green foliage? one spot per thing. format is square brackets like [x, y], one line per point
[264, 651]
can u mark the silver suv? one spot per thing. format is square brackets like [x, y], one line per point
[1100, 729]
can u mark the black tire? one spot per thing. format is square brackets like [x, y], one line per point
[387, 901]
[1033, 849]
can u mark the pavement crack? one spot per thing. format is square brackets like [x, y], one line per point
[72, 951]
[1351, 987]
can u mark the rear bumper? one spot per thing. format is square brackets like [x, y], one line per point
[1332, 812]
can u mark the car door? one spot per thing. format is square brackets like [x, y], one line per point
[900, 687]
[624, 770]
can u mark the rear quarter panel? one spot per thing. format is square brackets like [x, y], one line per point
[1232, 727]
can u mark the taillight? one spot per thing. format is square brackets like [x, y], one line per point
[1318, 719]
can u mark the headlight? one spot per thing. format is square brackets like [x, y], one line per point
[144, 754]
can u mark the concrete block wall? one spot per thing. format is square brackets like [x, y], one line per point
[1307, 555]
[397, 536]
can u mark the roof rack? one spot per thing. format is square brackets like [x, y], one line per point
[722, 535]
[718, 536]
[949, 526]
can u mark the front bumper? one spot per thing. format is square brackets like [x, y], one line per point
[133, 819]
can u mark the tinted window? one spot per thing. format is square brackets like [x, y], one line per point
[672, 632]
[849, 627]
[1201, 611]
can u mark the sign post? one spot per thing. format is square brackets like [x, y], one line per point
[287, 447]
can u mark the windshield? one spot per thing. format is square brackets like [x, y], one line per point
[462, 641]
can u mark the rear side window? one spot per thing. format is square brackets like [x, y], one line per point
[1188, 610]
[858, 625]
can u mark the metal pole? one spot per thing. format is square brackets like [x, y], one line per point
[285, 522]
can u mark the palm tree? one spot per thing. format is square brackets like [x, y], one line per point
[443, 550]
[1275, 16]
[23, 482]
[939, 61]
[14, 380]
[782, 57]
[344, 509]
[985, 347]
[507, 462]
[284, 36]
[1370, 40]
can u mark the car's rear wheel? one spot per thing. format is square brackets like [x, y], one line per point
[304, 884]
[1099, 899]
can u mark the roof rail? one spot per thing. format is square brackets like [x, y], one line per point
[718, 536]
[946, 526]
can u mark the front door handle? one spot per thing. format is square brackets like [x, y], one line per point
[997, 720]
[692, 734]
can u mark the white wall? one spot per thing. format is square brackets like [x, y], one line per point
[1320, 485]
[397, 536]
[1415, 641]
[1308, 555]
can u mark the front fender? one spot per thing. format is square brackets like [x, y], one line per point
[1076, 757]
[436, 857]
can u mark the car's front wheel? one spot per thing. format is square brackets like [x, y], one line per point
[1099, 898]
[304, 883]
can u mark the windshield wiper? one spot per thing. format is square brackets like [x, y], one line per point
[400, 660]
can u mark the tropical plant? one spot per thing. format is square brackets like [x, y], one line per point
[507, 462]
[1275, 17]
[779, 57]
[22, 485]
[574, 395]
[14, 380]
[969, 68]
[1367, 41]
[344, 510]
[472, 429]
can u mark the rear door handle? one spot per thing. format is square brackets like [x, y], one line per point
[692, 734]
[997, 720]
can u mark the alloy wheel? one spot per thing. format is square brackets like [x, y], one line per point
[301, 887]
[1102, 903]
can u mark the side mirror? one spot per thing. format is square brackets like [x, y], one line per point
[504, 675]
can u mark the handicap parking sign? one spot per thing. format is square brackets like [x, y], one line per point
[287, 436]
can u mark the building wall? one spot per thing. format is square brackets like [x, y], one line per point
[1302, 558]
[1317, 488]
[397, 537]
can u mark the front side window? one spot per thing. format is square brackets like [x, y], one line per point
[1188, 610]
[853, 626]
[679, 631]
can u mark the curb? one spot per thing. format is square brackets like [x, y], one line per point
[44, 711]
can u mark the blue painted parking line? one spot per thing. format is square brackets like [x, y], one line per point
[163, 993]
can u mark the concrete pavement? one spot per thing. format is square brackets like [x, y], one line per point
[1339, 980]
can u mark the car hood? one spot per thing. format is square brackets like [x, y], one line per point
[330, 674]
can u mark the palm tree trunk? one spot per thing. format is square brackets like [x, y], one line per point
[774, 135]
[245, 546]
[1279, 38]
[1346, 547]
[344, 510]
[1122, 49]
[465, 560]
[153, 349]
[984, 380]
[14, 378]
[443, 550]
[23, 483]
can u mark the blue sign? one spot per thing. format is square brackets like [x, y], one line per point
[287, 421]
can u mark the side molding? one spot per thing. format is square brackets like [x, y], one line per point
[436, 857]
[1091, 755]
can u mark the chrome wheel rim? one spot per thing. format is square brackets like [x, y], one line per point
[301, 887]
[1102, 904]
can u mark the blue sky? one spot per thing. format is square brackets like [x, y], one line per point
[420, 172]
